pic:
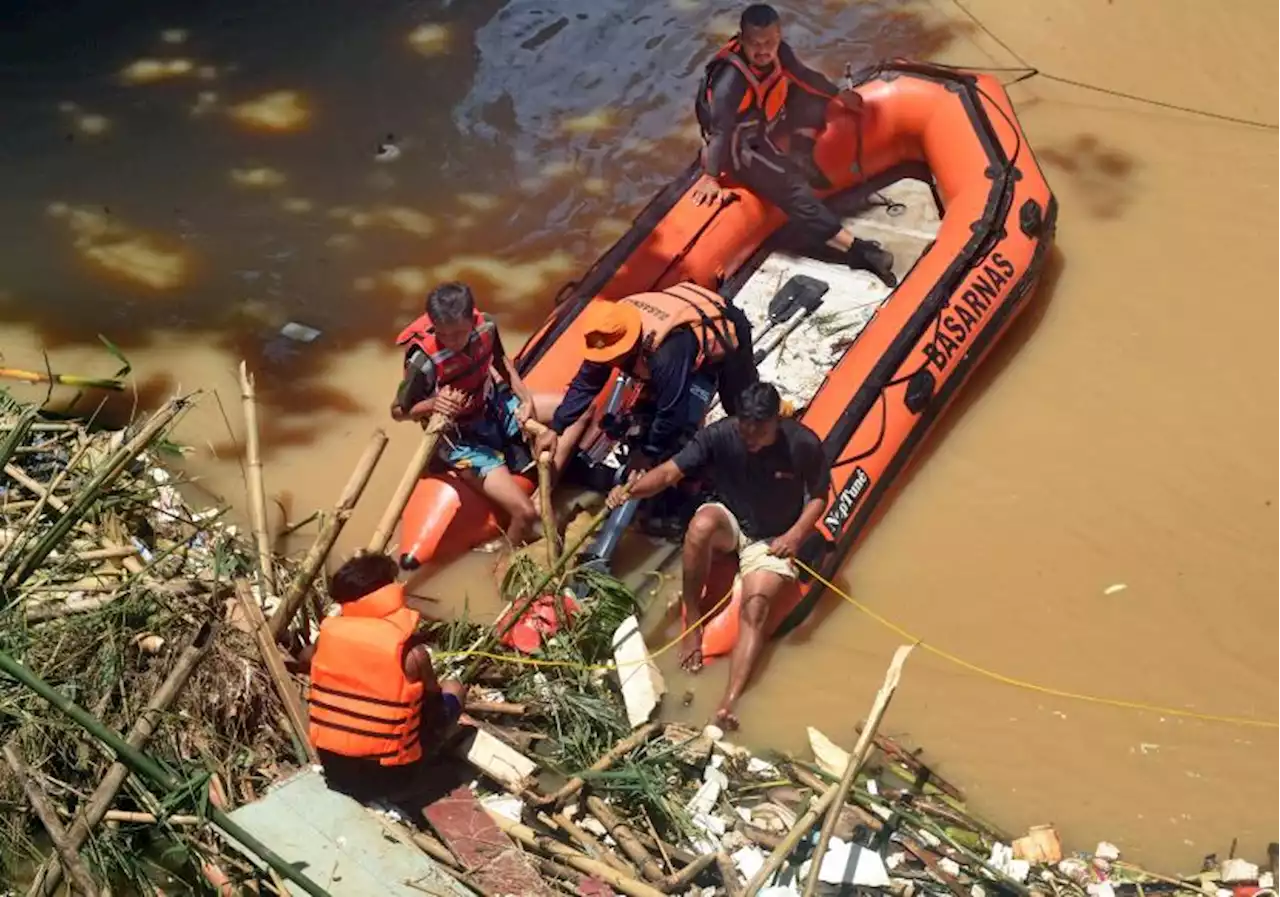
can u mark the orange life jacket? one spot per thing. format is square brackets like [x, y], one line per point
[362, 704]
[766, 94]
[683, 305]
[467, 370]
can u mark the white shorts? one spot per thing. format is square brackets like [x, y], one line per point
[753, 554]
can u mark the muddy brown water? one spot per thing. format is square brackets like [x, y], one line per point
[189, 180]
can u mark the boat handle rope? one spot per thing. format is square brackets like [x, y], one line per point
[942, 653]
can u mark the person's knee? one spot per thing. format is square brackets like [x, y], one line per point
[523, 509]
[755, 610]
[512, 499]
[702, 529]
[455, 688]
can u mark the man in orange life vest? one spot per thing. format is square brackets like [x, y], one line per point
[666, 340]
[376, 709]
[450, 353]
[754, 91]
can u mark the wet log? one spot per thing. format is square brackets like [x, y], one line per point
[49, 875]
[82, 882]
[324, 543]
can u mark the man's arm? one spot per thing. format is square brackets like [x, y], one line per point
[816, 472]
[811, 80]
[670, 369]
[649, 484]
[728, 88]
[417, 662]
[696, 453]
[415, 397]
[507, 371]
[586, 385]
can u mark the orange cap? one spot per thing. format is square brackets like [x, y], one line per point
[609, 329]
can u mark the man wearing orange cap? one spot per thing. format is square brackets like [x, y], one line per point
[667, 340]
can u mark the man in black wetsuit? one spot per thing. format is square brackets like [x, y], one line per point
[755, 90]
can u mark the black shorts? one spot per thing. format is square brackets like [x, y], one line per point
[365, 779]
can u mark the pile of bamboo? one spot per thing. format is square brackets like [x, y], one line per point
[129, 603]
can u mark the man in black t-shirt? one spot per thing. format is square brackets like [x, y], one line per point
[771, 478]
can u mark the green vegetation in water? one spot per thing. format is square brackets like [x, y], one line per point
[579, 706]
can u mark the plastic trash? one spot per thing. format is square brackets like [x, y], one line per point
[300, 333]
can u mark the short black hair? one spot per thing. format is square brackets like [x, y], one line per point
[758, 15]
[451, 302]
[363, 575]
[759, 402]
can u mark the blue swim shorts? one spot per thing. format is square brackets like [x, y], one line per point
[480, 445]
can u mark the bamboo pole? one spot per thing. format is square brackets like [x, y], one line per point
[593, 847]
[47, 877]
[257, 491]
[114, 383]
[143, 765]
[275, 666]
[100, 482]
[861, 750]
[45, 496]
[515, 609]
[678, 882]
[329, 533]
[828, 798]
[82, 882]
[391, 516]
[133, 816]
[626, 840]
[553, 848]
[612, 756]
[550, 533]
[499, 708]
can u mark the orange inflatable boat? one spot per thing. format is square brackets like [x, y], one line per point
[976, 264]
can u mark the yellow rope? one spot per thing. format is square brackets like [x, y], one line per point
[591, 667]
[893, 627]
[1031, 686]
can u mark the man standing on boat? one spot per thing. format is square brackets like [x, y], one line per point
[754, 92]
[452, 354]
[771, 478]
[666, 340]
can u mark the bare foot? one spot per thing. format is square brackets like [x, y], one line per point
[691, 651]
[726, 719]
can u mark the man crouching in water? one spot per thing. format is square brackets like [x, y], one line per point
[377, 714]
[772, 479]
